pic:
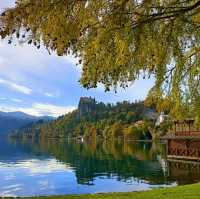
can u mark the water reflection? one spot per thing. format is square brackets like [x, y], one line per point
[52, 167]
[32, 177]
[120, 159]
[186, 168]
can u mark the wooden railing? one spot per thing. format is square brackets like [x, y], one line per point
[187, 133]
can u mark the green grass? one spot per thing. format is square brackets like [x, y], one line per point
[180, 192]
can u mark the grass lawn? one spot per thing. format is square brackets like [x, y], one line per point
[180, 192]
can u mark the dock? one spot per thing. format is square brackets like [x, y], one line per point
[183, 142]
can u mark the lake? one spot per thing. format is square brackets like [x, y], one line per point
[57, 167]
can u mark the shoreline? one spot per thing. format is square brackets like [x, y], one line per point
[179, 192]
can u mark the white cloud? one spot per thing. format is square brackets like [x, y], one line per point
[16, 87]
[6, 4]
[36, 166]
[21, 88]
[10, 99]
[8, 191]
[48, 94]
[41, 109]
[29, 60]
[3, 98]
[16, 100]
[50, 109]
[2, 61]
[70, 59]
[27, 65]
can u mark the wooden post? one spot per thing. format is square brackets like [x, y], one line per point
[182, 127]
[174, 127]
[189, 126]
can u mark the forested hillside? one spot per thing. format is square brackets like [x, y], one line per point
[10, 121]
[92, 119]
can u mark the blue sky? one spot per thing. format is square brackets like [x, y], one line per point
[37, 83]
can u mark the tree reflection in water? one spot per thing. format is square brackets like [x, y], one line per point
[126, 161]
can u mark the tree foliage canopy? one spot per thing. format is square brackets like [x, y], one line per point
[118, 40]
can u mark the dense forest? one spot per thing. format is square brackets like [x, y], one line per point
[92, 119]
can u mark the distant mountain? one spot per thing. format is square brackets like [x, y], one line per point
[10, 121]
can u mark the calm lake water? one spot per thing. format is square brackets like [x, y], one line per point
[57, 167]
